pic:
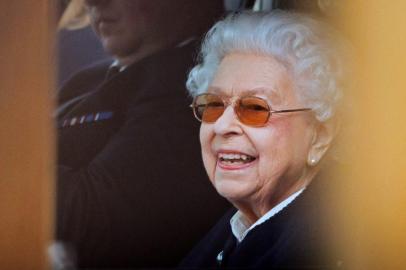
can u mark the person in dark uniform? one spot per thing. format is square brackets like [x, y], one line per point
[266, 91]
[131, 190]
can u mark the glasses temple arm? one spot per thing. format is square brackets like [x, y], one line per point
[292, 110]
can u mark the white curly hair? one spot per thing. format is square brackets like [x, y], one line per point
[311, 50]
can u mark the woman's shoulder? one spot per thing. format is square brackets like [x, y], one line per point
[205, 252]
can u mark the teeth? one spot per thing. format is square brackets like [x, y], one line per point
[234, 157]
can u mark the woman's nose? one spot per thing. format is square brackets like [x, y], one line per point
[228, 123]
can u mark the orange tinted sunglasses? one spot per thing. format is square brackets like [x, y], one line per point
[250, 110]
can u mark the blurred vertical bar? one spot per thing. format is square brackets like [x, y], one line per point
[26, 133]
[374, 207]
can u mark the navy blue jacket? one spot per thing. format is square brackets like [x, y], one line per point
[298, 237]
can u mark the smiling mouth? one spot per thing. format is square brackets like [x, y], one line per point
[234, 159]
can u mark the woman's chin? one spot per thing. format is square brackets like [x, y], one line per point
[233, 190]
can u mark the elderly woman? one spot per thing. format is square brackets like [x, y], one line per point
[266, 92]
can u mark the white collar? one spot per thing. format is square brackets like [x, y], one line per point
[117, 64]
[240, 226]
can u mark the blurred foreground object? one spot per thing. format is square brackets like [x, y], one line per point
[26, 134]
[376, 203]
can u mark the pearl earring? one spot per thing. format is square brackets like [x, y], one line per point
[313, 162]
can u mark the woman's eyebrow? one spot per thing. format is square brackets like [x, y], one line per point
[260, 91]
[272, 94]
[214, 89]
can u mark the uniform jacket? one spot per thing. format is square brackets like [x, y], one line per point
[131, 188]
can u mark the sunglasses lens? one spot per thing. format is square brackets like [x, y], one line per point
[253, 111]
[208, 108]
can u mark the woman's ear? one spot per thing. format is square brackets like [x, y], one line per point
[324, 134]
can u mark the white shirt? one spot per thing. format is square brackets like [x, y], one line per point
[117, 64]
[240, 226]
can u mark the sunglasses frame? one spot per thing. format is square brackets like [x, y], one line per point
[233, 101]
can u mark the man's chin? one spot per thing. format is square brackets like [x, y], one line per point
[116, 49]
[113, 45]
